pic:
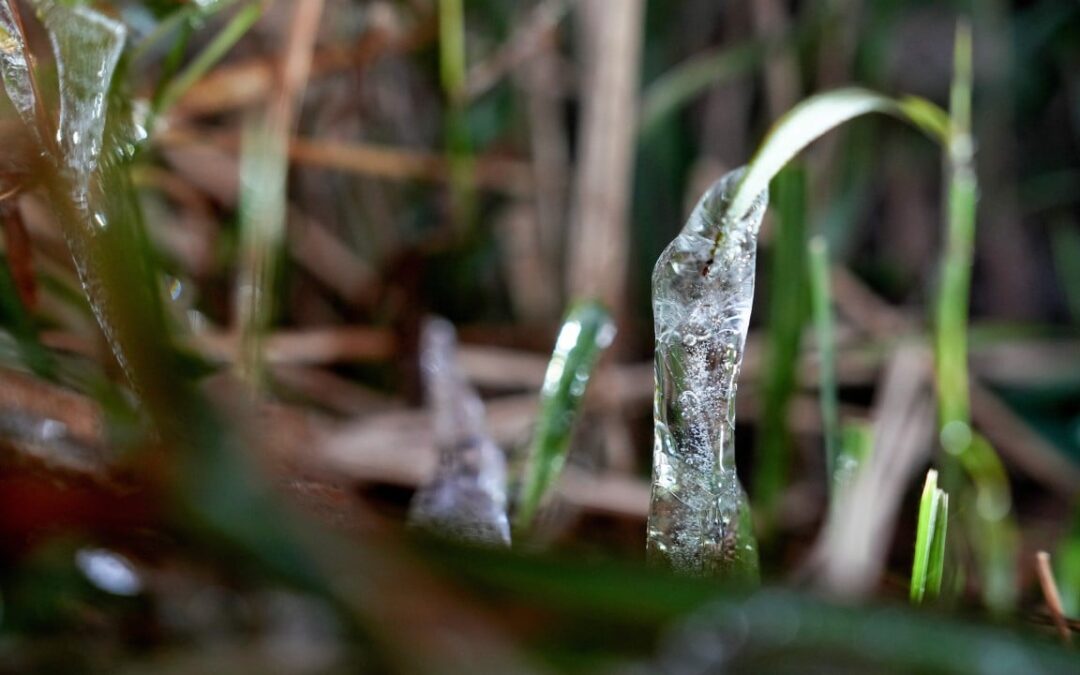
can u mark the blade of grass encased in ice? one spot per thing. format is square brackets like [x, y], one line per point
[816, 116]
[586, 331]
[786, 319]
[214, 493]
[929, 510]
[824, 332]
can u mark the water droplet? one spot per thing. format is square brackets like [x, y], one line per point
[111, 572]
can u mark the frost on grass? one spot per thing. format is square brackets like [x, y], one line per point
[87, 46]
[703, 288]
[466, 498]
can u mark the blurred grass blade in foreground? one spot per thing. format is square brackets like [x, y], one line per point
[586, 332]
[212, 493]
[926, 571]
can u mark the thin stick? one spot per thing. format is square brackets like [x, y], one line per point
[599, 245]
[526, 41]
[1050, 593]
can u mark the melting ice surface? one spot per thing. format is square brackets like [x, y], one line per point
[14, 68]
[703, 289]
[87, 46]
[466, 498]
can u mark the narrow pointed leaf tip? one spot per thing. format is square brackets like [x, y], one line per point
[816, 116]
[929, 563]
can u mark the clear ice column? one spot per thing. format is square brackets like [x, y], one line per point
[703, 289]
[466, 497]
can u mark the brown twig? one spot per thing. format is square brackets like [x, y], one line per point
[494, 173]
[1052, 596]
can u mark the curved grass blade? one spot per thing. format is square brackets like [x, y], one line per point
[819, 114]
[679, 85]
[586, 331]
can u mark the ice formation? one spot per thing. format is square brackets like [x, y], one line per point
[87, 46]
[466, 498]
[703, 288]
[586, 332]
[15, 68]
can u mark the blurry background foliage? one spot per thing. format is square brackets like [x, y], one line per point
[320, 175]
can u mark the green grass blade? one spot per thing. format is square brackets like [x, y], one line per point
[587, 330]
[819, 114]
[950, 339]
[990, 529]
[682, 83]
[936, 564]
[786, 320]
[237, 27]
[929, 511]
[825, 334]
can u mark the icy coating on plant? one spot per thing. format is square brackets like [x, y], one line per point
[703, 289]
[87, 46]
[15, 69]
[586, 332]
[466, 498]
